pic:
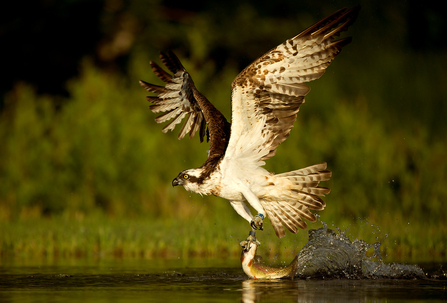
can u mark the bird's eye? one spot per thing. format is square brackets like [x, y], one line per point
[185, 176]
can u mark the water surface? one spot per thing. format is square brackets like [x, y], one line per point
[195, 280]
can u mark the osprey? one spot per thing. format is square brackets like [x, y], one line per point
[265, 99]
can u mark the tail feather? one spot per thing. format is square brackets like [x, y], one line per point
[309, 200]
[306, 171]
[291, 212]
[306, 180]
[301, 196]
[286, 217]
[323, 175]
[303, 211]
[274, 219]
[283, 214]
[317, 190]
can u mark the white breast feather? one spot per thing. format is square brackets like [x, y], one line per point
[245, 150]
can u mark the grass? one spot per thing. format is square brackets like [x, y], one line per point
[82, 236]
[108, 237]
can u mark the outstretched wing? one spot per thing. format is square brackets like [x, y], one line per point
[266, 96]
[180, 98]
[176, 98]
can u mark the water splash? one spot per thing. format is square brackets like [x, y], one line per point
[330, 254]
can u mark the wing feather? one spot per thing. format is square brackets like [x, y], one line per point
[171, 125]
[160, 73]
[186, 128]
[164, 106]
[271, 89]
[169, 115]
[177, 98]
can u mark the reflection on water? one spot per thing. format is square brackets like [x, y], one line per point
[197, 280]
[337, 290]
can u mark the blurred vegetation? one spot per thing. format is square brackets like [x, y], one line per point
[89, 166]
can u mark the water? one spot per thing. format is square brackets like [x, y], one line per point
[195, 281]
[331, 269]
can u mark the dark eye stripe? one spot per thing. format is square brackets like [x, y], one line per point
[192, 179]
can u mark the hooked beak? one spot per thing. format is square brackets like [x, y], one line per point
[175, 182]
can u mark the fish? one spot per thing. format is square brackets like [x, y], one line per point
[255, 269]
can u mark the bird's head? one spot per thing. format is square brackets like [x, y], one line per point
[190, 179]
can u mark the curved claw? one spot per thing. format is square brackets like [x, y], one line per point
[245, 245]
[256, 223]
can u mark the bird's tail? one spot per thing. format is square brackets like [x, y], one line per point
[303, 195]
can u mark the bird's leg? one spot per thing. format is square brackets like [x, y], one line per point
[257, 222]
[242, 209]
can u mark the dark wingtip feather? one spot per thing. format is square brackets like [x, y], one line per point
[171, 61]
[332, 21]
[143, 83]
[152, 87]
[160, 73]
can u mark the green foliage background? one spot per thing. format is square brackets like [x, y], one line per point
[96, 161]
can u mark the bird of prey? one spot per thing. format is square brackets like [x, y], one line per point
[265, 100]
